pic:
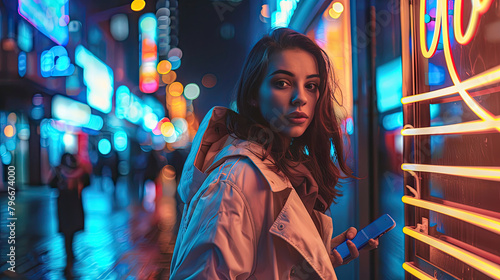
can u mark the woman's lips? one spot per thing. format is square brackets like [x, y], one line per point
[299, 120]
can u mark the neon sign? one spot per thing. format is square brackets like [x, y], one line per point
[148, 76]
[98, 77]
[55, 63]
[49, 17]
[488, 77]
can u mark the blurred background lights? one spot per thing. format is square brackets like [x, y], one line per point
[336, 10]
[119, 27]
[175, 89]
[21, 64]
[164, 67]
[265, 11]
[150, 120]
[120, 141]
[37, 99]
[227, 31]
[137, 5]
[64, 20]
[12, 118]
[37, 113]
[169, 78]
[209, 80]
[180, 123]
[104, 146]
[9, 131]
[175, 61]
[167, 129]
[175, 52]
[338, 7]
[24, 36]
[191, 91]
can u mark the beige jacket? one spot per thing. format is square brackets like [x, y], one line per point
[240, 219]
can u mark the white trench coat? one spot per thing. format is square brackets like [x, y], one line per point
[241, 220]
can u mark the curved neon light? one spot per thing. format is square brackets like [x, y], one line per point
[413, 270]
[485, 266]
[479, 8]
[485, 173]
[488, 223]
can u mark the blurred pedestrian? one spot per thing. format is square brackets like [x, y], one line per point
[70, 177]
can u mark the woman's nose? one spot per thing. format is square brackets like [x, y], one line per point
[299, 97]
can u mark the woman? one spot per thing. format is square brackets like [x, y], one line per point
[70, 178]
[256, 184]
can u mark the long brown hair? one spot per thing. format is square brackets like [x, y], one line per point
[314, 147]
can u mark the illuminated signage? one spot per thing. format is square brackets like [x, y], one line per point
[284, 11]
[75, 113]
[489, 120]
[98, 77]
[55, 63]
[49, 17]
[148, 76]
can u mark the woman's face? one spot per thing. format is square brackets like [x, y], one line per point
[289, 91]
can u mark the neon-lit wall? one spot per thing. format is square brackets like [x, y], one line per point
[452, 161]
[49, 17]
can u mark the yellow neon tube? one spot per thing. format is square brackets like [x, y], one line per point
[485, 173]
[485, 266]
[435, 37]
[486, 222]
[416, 272]
[474, 126]
[483, 79]
[478, 8]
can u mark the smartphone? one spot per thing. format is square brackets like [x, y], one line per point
[373, 230]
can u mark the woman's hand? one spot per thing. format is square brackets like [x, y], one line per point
[349, 234]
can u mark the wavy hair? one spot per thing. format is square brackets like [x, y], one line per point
[314, 147]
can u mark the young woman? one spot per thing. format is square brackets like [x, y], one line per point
[256, 183]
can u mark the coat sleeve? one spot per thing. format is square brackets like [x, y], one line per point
[216, 238]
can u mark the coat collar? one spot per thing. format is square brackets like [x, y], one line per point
[211, 146]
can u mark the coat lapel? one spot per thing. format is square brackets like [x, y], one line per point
[295, 227]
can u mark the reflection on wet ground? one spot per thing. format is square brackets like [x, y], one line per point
[121, 239]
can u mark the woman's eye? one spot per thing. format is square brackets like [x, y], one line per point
[312, 86]
[281, 84]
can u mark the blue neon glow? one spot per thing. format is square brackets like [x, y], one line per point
[98, 77]
[37, 112]
[389, 85]
[119, 27]
[56, 63]
[393, 121]
[435, 110]
[6, 158]
[120, 140]
[49, 17]
[284, 12]
[21, 64]
[104, 146]
[128, 106]
[436, 75]
[24, 36]
[69, 110]
[175, 61]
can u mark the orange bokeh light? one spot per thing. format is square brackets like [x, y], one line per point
[169, 77]
[175, 89]
[164, 67]
[9, 131]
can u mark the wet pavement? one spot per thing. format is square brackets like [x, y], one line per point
[121, 239]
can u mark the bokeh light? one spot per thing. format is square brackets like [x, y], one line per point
[164, 67]
[150, 120]
[169, 78]
[37, 113]
[338, 7]
[191, 91]
[227, 31]
[181, 124]
[209, 80]
[265, 11]
[12, 118]
[118, 26]
[175, 89]
[104, 146]
[175, 52]
[175, 61]
[138, 5]
[37, 99]
[167, 129]
[9, 131]
[120, 141]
